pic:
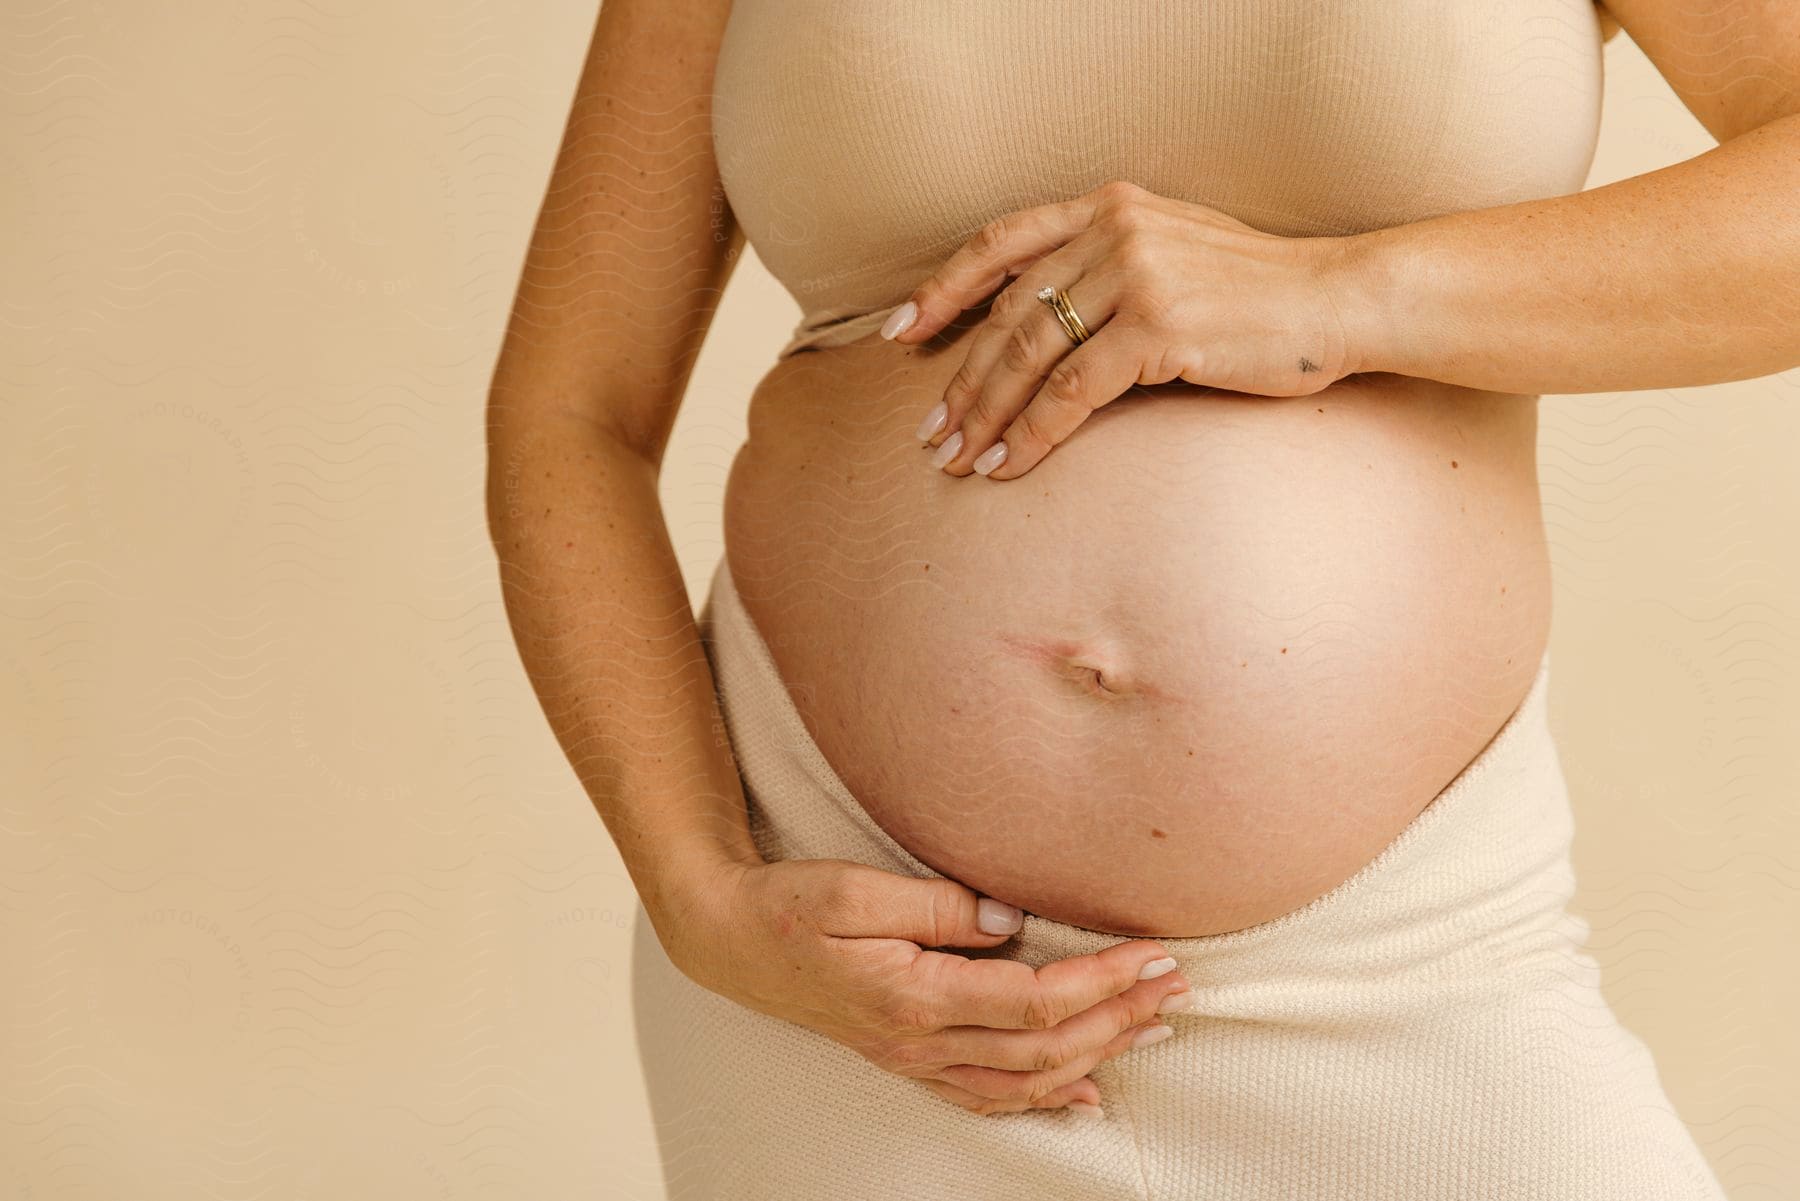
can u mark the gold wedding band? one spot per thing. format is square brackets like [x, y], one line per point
[1058, 300]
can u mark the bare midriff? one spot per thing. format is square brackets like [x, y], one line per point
[1195, 669]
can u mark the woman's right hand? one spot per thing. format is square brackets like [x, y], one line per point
[845, 949]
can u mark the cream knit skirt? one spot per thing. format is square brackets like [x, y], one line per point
[1430, 1029]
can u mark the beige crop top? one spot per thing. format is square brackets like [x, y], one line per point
[860, 142]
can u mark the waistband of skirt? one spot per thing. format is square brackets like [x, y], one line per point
[1489, 853]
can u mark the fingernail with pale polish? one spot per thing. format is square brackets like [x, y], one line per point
[950, 448]
[1155, 968]
[900, 320]
[934, 421]
[990, 458]
[1149, 1035]
[1175, 1002]
[1085, 1109]
[997, 917]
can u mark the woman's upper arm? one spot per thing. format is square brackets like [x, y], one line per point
[633, 242]
[1734, 63]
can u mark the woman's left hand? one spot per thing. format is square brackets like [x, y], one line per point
[1167, 290]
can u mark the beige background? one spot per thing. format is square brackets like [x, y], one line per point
[298, 898]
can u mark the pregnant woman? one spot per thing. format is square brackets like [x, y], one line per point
[1112, 758]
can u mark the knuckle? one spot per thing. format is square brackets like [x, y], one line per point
[964, 388]
[1053, 1052]
[1068, 382]
[1011, 304]
[980, 412]
[907, 1014]
[908, 1057]
[945, 918]
[1136, 1006]
[1148, 308]
[839, 897]
[1041, 1011]
[1118, 192]
[1122, 208]
[1020, 352]
[1006, 1087]
[991, 238]
[1028, 1088]
[1028, 430]
[1194, 364]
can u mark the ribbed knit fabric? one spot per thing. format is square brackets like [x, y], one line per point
[861, 143]
[1429, 1030]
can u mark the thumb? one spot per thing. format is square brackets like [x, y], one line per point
[943, 913]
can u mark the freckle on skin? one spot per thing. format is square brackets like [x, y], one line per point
[1284, 650]
[1452, 462]
[1155, 833]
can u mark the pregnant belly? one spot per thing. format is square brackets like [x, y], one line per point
[1192, 671]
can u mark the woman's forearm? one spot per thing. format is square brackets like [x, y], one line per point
[1682, 276]
[602, 621]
